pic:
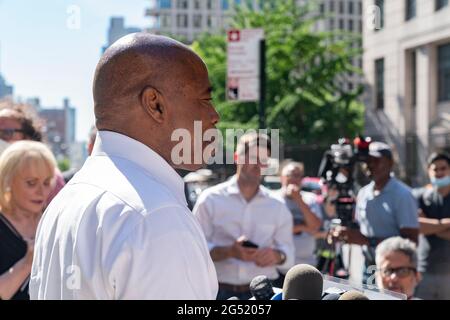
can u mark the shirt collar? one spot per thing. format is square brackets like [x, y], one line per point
[233, 188]
[114, 144]
[388, 186]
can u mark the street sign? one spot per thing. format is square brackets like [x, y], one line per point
[243, 64]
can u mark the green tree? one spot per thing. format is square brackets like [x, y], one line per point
[304, 67]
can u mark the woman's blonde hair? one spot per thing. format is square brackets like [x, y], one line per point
[17, 156]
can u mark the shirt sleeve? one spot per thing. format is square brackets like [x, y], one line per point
[164, 257]
[407, 211]
[283, 237]
[202, 212]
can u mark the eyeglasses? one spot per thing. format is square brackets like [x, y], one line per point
[7, 134]
[401, 272]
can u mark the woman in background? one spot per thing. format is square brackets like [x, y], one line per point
[27, 171]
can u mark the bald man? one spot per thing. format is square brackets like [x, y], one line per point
[121, 228]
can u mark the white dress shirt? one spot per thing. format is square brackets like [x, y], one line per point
[121, 229]
[225, 215]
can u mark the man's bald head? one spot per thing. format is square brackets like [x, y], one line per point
[147, 87]
[133, 63]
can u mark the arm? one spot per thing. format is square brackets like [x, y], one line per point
[411, 234]
[312, 222]
[430, 226]
[444, 235]
[12, 280]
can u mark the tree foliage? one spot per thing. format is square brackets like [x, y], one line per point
[305, 70]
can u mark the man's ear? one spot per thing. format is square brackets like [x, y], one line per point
[151, 102]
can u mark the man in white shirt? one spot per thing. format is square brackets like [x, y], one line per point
[239, 211]
[121, 228]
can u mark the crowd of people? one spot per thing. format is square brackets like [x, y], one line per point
[120, 228]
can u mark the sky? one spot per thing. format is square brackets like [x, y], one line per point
[49, 51]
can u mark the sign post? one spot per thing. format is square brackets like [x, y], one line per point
[246, 68]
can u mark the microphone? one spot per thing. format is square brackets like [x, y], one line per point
[332, 297]
[353, 295]
[303, 282]
[261, 288]
[233, 298]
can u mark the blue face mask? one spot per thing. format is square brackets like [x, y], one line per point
[441, 182]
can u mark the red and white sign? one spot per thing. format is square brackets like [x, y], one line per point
[243, 65]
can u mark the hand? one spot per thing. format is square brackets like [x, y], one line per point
[293, 192]
[30, 251]
[267, 257]
[348, 235]
[242, 253]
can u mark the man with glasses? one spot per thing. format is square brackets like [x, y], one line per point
[396, 260]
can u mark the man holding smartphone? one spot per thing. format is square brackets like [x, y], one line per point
[248, 230]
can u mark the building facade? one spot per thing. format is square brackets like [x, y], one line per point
[407, 69]
[186, 19]
[59, 127]
[5, 90]
[117, 30]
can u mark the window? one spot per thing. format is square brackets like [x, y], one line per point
[332, 6]
[360, 26]
[225, 5]
[440, 4]
[350, 25]
[444, 72]
[379, 84]
[410, 9]
[322, 8]
[182, 20]
[331, 22]
[182, 4]
[164, 4]
[341, 7]
[211, 21]
[166, 20]
[197, 20]
[413, 78]
[380, 5]
[359, 7]
[197, 4]
[350, 7]
[341, 24]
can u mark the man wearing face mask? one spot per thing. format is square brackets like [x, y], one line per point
[434, 218]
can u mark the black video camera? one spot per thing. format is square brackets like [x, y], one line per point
[337, 168]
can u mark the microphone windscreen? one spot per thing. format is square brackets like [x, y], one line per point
[353, 295]
[303, 282]
[261, 288]
[332, 296]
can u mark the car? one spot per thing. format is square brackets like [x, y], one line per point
[316, 186]
[272, 182]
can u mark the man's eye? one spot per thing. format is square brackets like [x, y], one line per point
[31, 183]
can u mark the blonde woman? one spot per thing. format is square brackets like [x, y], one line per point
[27, 171]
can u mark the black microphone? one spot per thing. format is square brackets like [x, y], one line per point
[332, 296]
[303, 282]
[261, 288]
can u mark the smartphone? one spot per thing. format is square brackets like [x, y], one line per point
[249, 244]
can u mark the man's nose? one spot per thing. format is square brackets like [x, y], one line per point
[214, 115]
